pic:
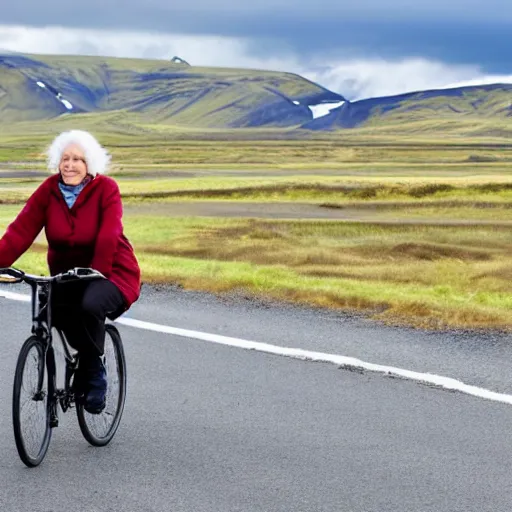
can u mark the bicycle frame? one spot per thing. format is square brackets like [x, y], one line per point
[42, 328]
[41, 298]
[45, 389]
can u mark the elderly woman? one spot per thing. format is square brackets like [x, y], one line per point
[81, 211]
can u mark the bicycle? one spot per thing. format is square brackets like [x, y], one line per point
[35, 415]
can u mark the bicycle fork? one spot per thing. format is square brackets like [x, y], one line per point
[52, 387]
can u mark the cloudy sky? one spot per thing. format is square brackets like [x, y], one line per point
[359, 49]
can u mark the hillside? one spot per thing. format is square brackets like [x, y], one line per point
[35, 88]
[474, 105]
[152, 97]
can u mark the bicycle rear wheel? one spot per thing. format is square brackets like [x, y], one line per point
[31, 403]
[99, 429]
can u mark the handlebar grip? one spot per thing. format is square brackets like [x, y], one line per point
[80, 273]
[13, 273]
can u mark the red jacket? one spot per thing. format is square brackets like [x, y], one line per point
[90, 234]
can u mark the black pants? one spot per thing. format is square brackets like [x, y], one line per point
[80, 309]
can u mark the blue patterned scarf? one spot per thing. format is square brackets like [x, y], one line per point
[70, 192]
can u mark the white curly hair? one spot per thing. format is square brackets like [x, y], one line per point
[96, 156]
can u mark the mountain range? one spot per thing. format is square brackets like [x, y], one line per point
[38, 88]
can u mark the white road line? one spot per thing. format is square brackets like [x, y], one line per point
[15, 296]
[307, 355]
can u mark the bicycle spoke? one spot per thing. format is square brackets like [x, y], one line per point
[100, 424]
[99, 429]
[30, 405]
[33, 413]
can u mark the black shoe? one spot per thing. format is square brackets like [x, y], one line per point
[94, 385]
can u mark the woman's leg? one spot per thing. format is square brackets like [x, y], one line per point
[101, 298]
[66, 311]
[81, 311]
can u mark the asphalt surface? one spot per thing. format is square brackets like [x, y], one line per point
[213, 428]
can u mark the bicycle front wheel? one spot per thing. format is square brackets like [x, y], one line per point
[31, 403]
[99, 429]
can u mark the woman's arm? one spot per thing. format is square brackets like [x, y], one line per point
[23, 230]
[110, 230]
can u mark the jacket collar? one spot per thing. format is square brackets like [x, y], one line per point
[84, 194]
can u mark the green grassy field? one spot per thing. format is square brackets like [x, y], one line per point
[429, 276]
[394, 257]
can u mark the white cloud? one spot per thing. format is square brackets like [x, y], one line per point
[484, 79]
[199, 50]
[353, 78]
[374, 77]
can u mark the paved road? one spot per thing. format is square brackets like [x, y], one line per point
[212, 428]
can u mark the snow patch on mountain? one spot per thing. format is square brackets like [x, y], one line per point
[323, 109]
[67, 104]
[57, 95]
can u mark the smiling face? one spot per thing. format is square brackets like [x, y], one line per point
[73, 167]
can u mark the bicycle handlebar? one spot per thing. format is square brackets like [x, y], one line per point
[14, 275]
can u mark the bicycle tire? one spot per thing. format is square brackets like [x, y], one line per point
[90, 424]
[32, 451]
